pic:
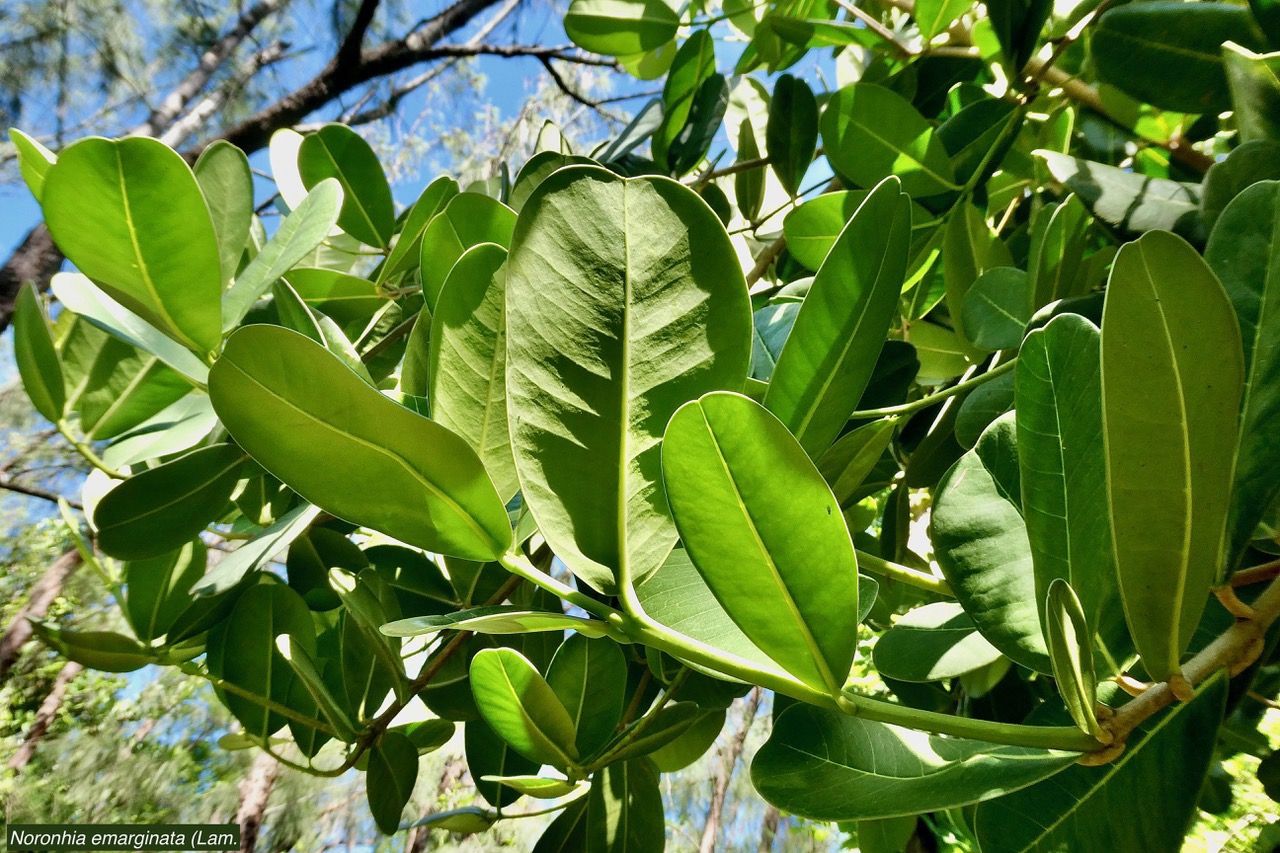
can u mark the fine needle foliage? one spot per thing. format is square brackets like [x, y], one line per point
[960, 341]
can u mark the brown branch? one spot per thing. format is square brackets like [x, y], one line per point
[255, 791]
[39, 599]
[564, 86]
[35, 492]
[724, 774]
[351, 46]
[1256, 574]
[184, 127]
[45, 714]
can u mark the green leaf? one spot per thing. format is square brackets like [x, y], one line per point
[831, 352]
[522, 708]
[792, 134]
[824, 765]
[1058, 270]
[242, 651]
[567, 833]
[694, 62]
[469, 219]
[255, 553]
[1243, 167]
[968, 250]
[934, 16]
[1129, 201]
[37, 357]
[932, 643]
[624, 810]
[620, 27]
[692, 743]
[1092, 808]
[771, 326]
[114, 386]
[1172, 374]
[979, 135]
[870, 132]
[489, 756]
[739, 487]
[494, 619]
[1063, 468]
[164, 507]
[319, 428]
[539, 787]
[536, 170]
[405, 254]
[1070, 642]
[748, 185]
[222, 171]
[995, 309]
[1169, 54]
[706, 112]
[1242, 252]
[81, 297]
[847, 463]
[1017, 25]
[393, 769]
[338, 152]
[467, 820]
[105, 651]
[981, 545]
[34, 161]
[608, 333]
[467, 361]
[307, 670]
[590, 677]
[130, 215]
[300, 232]
[157, 590]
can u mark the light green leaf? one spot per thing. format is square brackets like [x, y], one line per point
[338, 152]
[995, 311]
[536, 170]
[227, 184]
[393, 769]
[130, 215]
[319, 428]
[406, 252]
[522, 708]
[870, 132]
[831, 352]
[299, 233]
[823, 765]
[1070, 641]
[158, 510]
[934, 16]
[968, 250]
[792, 134]
[157, 591]
[114, 386]
[255, 553]
[34, 161]
[105, 651]
[1058, 270]
[469, 219]
[307, 670]
[932, 643]
[981, 545]
[494, 619]
[37, 357]
[739, 487]
[539, 787]
[608, 333]
[847, 463]
[620, 27]
[1172, 375]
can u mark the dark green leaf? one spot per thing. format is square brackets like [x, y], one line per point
[157, 591]
[590, 677]
[792, 134]
[995, 309]
[706, 112]
[393, 768]
[37, 358]
[932, 643]
[694, 62]
[624, 810]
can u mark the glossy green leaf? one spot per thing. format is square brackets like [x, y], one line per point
[516, 701]
[841, 327]
[608, 333]
[346, 298]
[130, 215]
[1172, 374]
[319, 428]
[624, 810]
[37, 357]
[995, 309]
[934, 16]
[620, 27]
[1070, 641]
[978, 136]
[792, 134]
[847, 463]
[300, 233]
[406, 252]
[469, 219]
[981, 406]
[467, 361]
[494, 619]
[539, 787]
[105, 651]
[157, 591]
[1017, 25]
[160, 509]
[393, 768]
[1132, 202]
[34, 161]
[748, 185]
[338, 152]
[771, 326]
[823, 765]
[870, 132]
[227, 183]
[932, 643]
[739, 487]
[706, 112]
[1241, 253]
[694, 62]
[590, 678]
[1088, 808]
[489, 756]
[255, 553]
[981, 544]
[1169, 54]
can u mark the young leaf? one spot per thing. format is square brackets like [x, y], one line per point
[319, 428]
[831, 351]
[522, 708]
[823, 765]
[338, 152]
[608, 333]
[105, 651]
[494, 619]
[740, 487]
[536, 786]
[792, 134]
[130, 215]
[467, 361]
[1070, 641]
[1172, 373]
[227, 183]
[393, 769]
[37, 357]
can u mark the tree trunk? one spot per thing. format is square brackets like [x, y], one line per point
[255, 790]
[44, 716]
[728, 761]
[39, 599]
[769, 829]
[36, 260]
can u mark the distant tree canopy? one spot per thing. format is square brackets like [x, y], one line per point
[914, 366]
